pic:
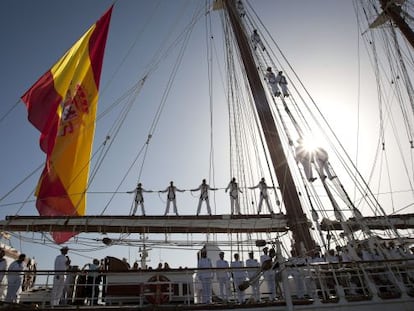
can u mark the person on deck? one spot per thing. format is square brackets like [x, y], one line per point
[15, 278]
[205, 276]
[256, 40]
[263, 196]
[61, 264]
[304, 156]
[252, 274]
[92, 281]
[223, 277]
[171, 197]
[3, 268]
[234, 196]
[321, 159]
[239, 276]
[139, 198]
[281, 80]
[204, 188]
[269, 275]
[271, 79]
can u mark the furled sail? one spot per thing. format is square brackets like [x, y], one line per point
[62, 105]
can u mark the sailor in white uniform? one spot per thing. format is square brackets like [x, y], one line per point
[204, 188]
[3, 268]
[171, 197]
[256, 40]
[223, 277]
[251, 273]
[269, 275]
[271, 79]
[305, 157]
[239, 276]
[59, 277]
[15, 278]
[139, 198]
[234, 196]
[205, 276]
[321, 159]
[281, 80]
[263, 196]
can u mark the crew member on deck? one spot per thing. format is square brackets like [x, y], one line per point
[271, 79]
[252, 274]
[171, 197]
[139, 198]
[281, 79]
[269, 275]
[263, 196]
[223, 277]
[15, 278]
[204, 188]
[234, 196]
[3, 266]
[205, 276]
[304, 156]
[59, 277]
[256, 40]
[239, 276]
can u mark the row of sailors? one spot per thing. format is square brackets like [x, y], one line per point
[233, 189]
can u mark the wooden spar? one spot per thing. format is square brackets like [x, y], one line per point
[147, 224]
[297, 220]
[391, 9]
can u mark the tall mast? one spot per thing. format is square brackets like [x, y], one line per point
[393, 11]
[297, 220]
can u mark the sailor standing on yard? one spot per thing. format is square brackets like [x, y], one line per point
[205, 276]
[171, 197]
[59, 277]
[223, 277]
[204, 188]
[256, 40]
[15, 278]
[271, 79]
[234, 195]
[139, 198]
[281, 79]
[263, 195]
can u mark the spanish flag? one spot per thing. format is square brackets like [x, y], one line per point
[62, 105]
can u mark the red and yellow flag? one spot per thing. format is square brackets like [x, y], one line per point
[62, 105]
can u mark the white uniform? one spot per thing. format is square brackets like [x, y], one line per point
[269, 277]
[239, 276]
[171, 197]
[263, 196]
[256, 40]
[251, 274]
[58, 279]
[204, 188]
[271, 79]
[139, 199]
[223, 279]
[14, 280]
[3, 266]
[234, 196]
[281, 80]
[205, 279]
[304, 156]
[321, 159]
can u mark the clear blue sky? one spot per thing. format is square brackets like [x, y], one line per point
[319, 37]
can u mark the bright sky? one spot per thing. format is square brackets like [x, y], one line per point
[319, 38]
